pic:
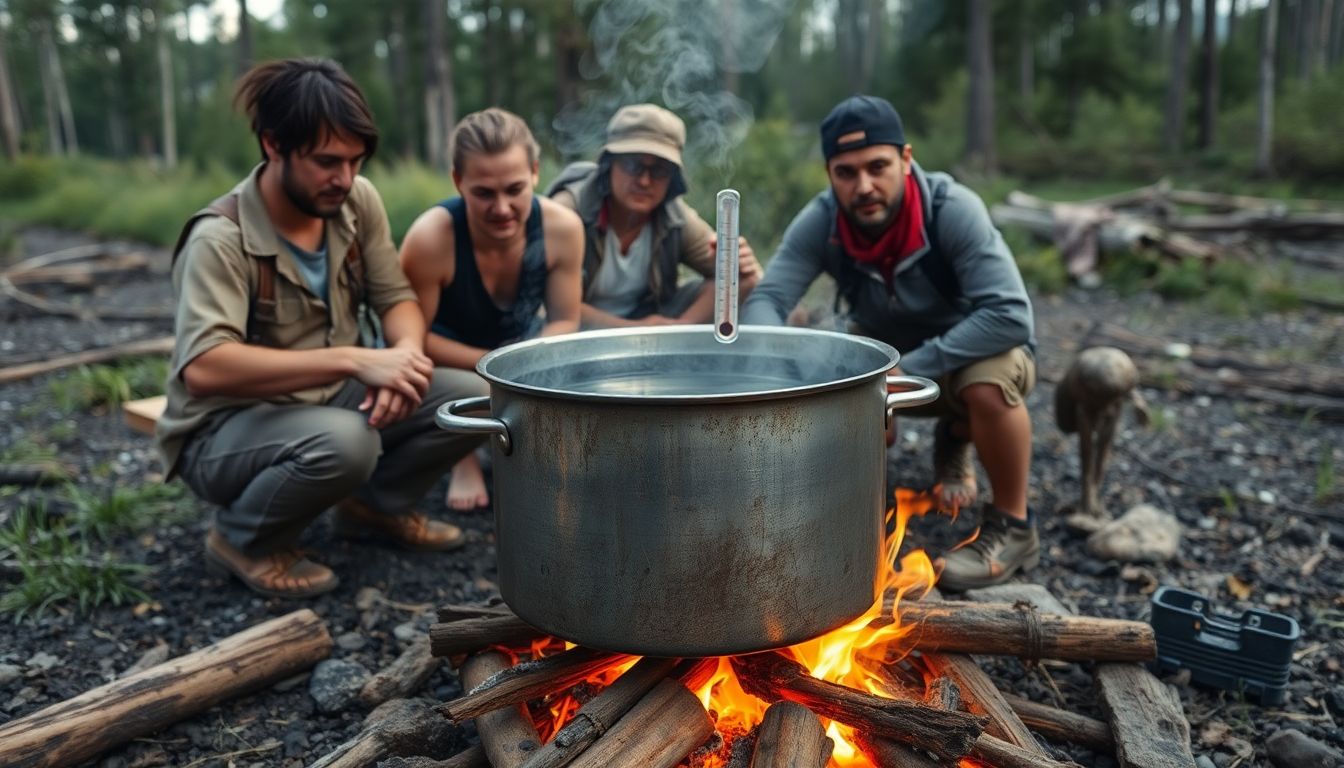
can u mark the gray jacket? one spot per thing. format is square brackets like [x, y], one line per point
[679, 234]
[940, 324]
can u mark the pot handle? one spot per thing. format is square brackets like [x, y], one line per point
[925, 391]
[450, 418]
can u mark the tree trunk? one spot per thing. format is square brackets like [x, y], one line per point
[1337, 34]
[1163, 39]
[397, 69]
[244, 38]
[440, 111]
[871, 50]
[1174, 123]
[1264, 133]
[1325, 20]
[490, 42]
[1026, 59]
[980, 154]
[1233, 11]
[9, 116]
[1307, 16]
[727, 48]
[167, 106]
[567, 36]
[62, 98]
[54, 143]
[1208, 81]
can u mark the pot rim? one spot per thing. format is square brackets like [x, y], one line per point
[483, 365]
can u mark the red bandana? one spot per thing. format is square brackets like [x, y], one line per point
[903, 237]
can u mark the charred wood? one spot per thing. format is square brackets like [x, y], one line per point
[395, 728]
[470, 635]
[528, 680]
[403, 677]
[1061, 725]
[774, 676]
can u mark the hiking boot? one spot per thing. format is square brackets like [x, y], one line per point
[286, 573]
[953, 468]
[414, 530]
[1002, 547]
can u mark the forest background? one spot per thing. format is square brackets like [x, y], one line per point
[116, 116]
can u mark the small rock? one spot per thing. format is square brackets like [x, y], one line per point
[406, 632]
[485, 586]
[296, 743]
[336, 683]
[1203, 761]
[1293, 749]
[350, 641]
[43, 661]
[1144, 534]
[9, 673]
[26, 695]
[367, 598]
[151, 658]
[1334, 701]
[1265, 497]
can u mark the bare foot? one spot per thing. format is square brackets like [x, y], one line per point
[466, 489]
[954, 469]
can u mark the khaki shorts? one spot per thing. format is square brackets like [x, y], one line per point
[1013, 371]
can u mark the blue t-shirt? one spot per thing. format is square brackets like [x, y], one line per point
[313, 266]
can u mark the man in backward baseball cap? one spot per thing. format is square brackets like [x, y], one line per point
[921, 267]
[638, 230]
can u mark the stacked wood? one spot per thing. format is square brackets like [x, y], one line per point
[1062, 725]
[141, 704]
[529, 680]
[1001, 629]
[774, 676]
[395, 728]
[466, 635]
[666, 725]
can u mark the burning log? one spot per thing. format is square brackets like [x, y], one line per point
[659, 732]
[885, 753]
[470, 635]
[1017, 630]
[80, 728]
[403, 676]
[507, 734]
[943, 694]
[1001, 754]
[529, 680]
[458, 612]
[1147, 720]
[774, 676]
[791, 736]
[1061, 725]
[601, 713]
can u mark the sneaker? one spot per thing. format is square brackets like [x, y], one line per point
[286, 573]
[1002, 547]
[953, 468]
[356, 520]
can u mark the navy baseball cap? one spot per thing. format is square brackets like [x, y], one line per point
[861, 121]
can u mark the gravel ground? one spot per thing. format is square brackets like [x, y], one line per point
[1263, 525]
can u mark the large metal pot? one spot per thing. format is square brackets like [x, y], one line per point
[660, 493]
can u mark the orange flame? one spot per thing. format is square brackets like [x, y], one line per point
[848, 655]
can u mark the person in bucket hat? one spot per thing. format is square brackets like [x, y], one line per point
[921, 267]
[638, 229]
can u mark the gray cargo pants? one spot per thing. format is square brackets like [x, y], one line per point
[275, 468]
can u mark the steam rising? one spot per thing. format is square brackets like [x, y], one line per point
[672, 52]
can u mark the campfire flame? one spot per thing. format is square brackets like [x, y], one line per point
[851, 655]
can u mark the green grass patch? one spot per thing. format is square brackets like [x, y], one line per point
[110, 385]
[124, 509]
[30, 450]
[57, 567]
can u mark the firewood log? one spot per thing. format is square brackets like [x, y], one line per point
[450, 638]
[1011, 630]
[774, 676]
[395, 728]
[403, 676]
[1147, 720]
[507, 734]
[1062, 725]
[601, 713]
[529, 680]
[791, 736]
[77, 729]
[659, 732]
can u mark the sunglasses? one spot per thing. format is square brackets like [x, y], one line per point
[635, 166]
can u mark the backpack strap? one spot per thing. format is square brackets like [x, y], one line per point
[935, 265]
[262, 307]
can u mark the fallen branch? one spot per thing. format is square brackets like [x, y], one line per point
[1000, 629]
[37, 473]
[157, 346]
[1061, 725]
[80, 728]
[396, 728]
[78, 274]
[403, 677]
[528, 680]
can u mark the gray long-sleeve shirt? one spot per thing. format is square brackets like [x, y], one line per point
[990, 312]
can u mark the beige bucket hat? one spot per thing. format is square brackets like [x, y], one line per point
[646, 128]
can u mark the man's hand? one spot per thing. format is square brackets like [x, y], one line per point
[403, 370]
[386, 407]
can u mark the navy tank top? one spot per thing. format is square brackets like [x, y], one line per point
[466, 311]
